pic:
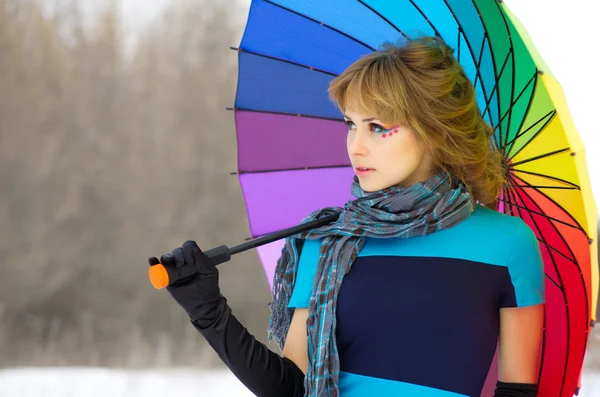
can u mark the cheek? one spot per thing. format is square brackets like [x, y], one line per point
[397, 140]
[401, 149]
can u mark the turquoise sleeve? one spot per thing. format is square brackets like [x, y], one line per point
[526, 267]
[307, 268]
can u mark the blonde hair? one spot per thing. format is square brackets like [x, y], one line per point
[421, 85]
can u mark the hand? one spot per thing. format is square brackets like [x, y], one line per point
[197, 295]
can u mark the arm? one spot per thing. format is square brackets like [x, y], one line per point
[521, 317]
[521, 330]
[296, 345]
[262, 371]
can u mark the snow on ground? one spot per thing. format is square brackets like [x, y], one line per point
[102, 382]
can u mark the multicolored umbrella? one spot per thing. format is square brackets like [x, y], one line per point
[291, 138]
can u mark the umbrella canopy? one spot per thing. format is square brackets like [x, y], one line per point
[292, 155]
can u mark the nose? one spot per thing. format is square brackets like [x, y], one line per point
[357, 144]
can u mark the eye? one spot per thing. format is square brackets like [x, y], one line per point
[377, 128]
[349, 124]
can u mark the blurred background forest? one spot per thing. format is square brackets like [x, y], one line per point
[114, 147]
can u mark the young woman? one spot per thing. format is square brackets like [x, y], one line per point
[412, 289]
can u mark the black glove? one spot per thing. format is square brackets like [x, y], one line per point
[263, 372]
[197, 295]
[505, 389]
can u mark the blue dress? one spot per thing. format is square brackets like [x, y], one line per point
[419, 316]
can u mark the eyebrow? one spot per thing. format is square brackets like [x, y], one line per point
[364, 120]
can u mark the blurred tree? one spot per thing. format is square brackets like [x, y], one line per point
[111, 153]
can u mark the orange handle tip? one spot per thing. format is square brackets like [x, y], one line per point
[158, 276]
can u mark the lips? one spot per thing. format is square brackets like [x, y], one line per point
[363, 172]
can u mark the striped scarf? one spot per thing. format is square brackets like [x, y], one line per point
[416, 210]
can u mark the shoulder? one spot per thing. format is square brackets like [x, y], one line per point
[510, 233]
[497, 232]
[511, 230]
[495, 222]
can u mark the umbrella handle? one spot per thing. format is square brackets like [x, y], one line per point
[162, 276]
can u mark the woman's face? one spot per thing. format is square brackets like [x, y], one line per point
[394, 154]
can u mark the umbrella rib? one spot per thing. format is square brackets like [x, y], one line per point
[425, 17]
[541, 156]
[478, 63]
[543, 353]
[384, 18]
[529, 104]
[585, 289]
[543, 241]
[478, 68]
[512, 210]
[547, 187]
[539, 213]
[550, 114]
[549, 177]
[287, 61]
[550, 278]
[514, 102]
[487, 104]
[576, 224]
[542, 128]
[524, 118]
[287, 114]
[513, 204]
[493, 56]
[514, 68]
[294, 169]
[558, 252]
[458, 44]
[320, 23]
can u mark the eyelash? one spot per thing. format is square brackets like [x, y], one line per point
[382, 130]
